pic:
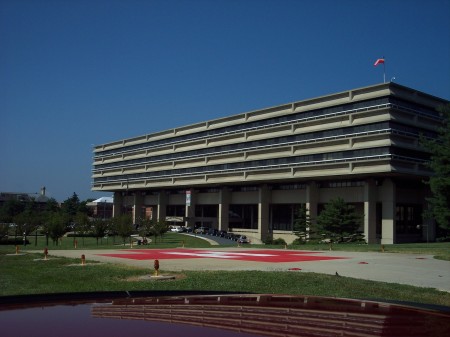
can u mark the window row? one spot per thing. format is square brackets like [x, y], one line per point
[286, 140]
[264, 163]
[345, 183]
[346, 108]
[248, 126]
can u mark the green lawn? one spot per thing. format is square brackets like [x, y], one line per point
[28, 274]
[169, 240]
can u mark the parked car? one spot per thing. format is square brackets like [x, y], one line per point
[232, 236]
[243, 239]
[202, 230]
[222, 234]
[212, 231]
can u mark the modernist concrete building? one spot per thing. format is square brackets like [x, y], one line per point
[249, 172]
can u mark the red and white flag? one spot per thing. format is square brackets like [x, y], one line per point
[379, 61]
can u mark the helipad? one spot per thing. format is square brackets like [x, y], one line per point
[412, 269]
[268, 256]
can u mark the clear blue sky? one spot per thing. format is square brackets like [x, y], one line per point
[78, 73]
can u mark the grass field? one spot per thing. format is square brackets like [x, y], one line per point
[28, 274]
[169, 240]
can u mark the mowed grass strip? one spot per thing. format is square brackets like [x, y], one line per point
[29, 274]
[169, 240]
[440, 250]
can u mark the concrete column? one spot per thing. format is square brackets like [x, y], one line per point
[370, 207]
[312, 201]
[263, 212]
[190, 211]
[118, 203]
[224, 208]
[137, 207]
[161, 207]
[388, 197]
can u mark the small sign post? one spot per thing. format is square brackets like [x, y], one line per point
[188, 198]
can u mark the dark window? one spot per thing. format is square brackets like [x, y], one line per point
[282, 216]
[243, 216]
[175, 210]
[408, 218]
[206, 211]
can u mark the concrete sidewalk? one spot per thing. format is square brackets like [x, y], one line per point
[411, 269]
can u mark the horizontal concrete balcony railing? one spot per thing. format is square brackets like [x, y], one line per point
[359, 165]
[210, 155]
[173, 140]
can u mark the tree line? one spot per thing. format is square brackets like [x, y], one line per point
[27, 219]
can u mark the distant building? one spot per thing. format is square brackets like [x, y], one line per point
[102, 207]
[250, 171]
[39, 198]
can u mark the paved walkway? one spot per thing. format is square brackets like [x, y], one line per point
[417, 270]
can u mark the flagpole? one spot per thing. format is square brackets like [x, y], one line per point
[377, 62]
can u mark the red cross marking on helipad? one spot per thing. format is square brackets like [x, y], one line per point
[273, 256]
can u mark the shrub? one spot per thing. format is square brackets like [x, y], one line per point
[279, 241]
[268, 240]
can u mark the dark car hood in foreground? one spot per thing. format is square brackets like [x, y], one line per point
[187, 314]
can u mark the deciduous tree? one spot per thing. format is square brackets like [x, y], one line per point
[146, 227]
[123, 226]
[57, 226]
[99, 228]
[439, 202]
[159, 228]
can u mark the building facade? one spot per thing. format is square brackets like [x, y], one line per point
[40, 199]
[101, 208]
[249, 172]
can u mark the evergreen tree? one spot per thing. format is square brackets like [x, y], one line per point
[302, 223]
[71, 206]
[339, 219]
